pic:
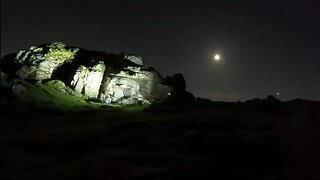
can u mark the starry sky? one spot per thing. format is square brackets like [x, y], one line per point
[266, 47]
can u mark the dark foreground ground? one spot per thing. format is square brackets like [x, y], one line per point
[215, 141]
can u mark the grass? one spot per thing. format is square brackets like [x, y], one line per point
[47, 96]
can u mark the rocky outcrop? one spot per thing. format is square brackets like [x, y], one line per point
[177, 82]
[109, 78]
[178, 97]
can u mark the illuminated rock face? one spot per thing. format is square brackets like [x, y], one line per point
[122, 90]
[128, 86]
[108, 78]
[94, 79]
[87, 81]
[133, 85]
[39, 65]
[79, 79]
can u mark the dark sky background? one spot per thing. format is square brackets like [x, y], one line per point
[267, 47]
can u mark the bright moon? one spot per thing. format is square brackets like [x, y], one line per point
[216, 57]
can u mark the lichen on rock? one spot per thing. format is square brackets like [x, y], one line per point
[39, 64]
[58, 52]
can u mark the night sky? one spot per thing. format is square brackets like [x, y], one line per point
[266, 47]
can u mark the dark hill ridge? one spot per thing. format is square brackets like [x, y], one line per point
[98, 76]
